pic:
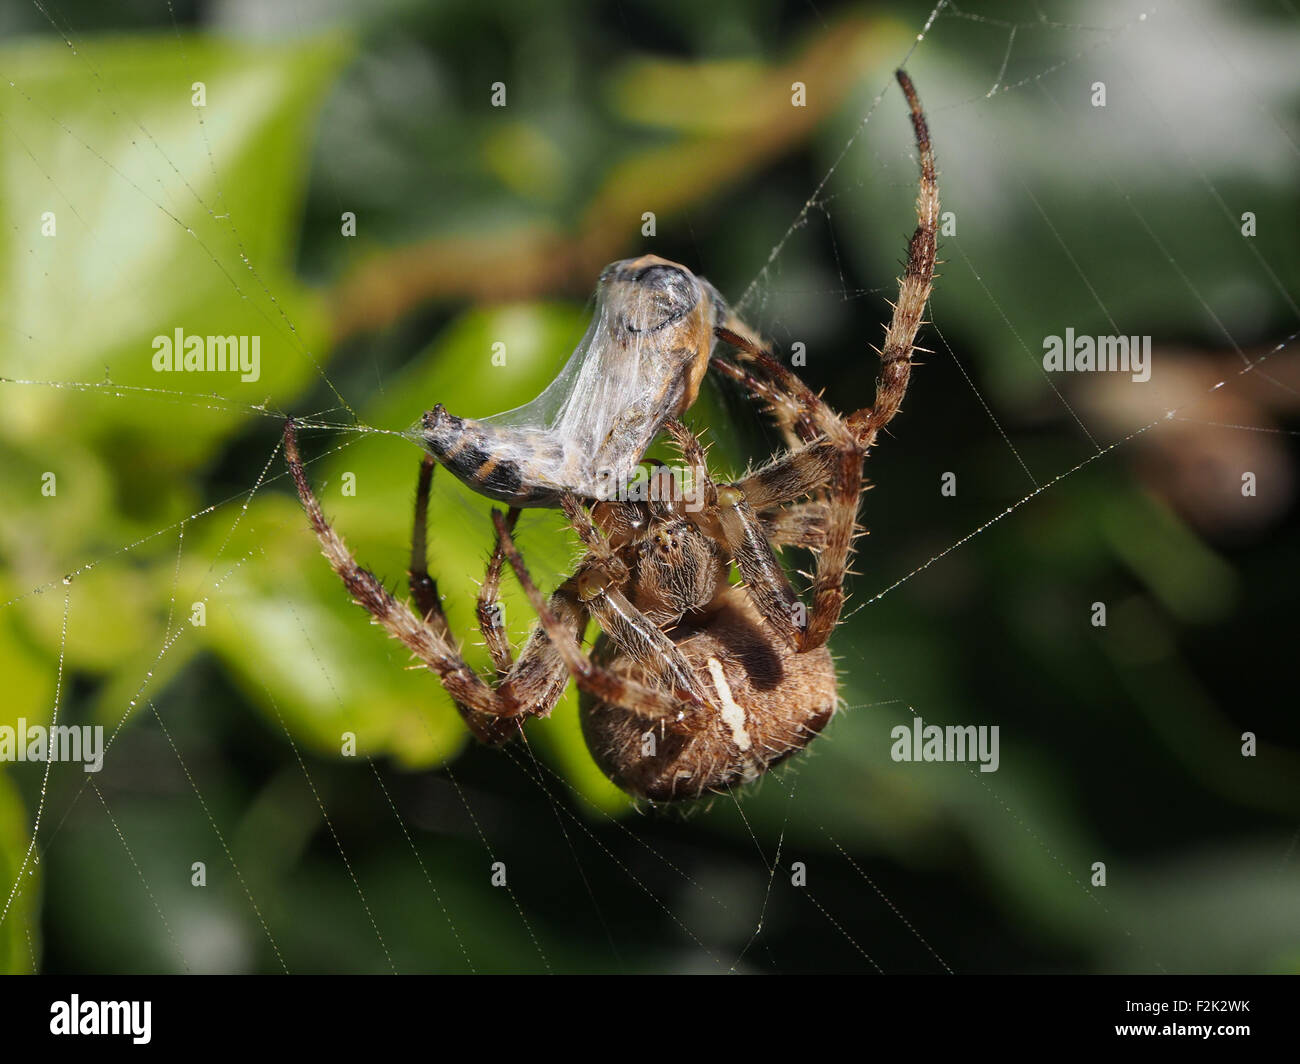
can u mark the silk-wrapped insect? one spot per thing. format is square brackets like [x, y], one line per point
[639, 364]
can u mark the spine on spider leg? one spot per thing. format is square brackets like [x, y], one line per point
[913, 287]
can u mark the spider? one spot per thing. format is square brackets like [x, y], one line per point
[694, 685]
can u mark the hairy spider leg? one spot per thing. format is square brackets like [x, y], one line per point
[537, 679]
[650, 703]
[834, 448]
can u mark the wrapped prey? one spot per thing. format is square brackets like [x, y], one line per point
[639, 364]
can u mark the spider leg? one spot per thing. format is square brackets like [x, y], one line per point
[486, 727]
[637, 636]
[832, 459]
[827, 438]
[424, 589]
[913, 288]
[600, 580]
[746, 540]
[651, 703]
[491, 715]
[540, 673]
[800, 525]
[766, 581]
[798, 469]
[694, 456]
[791, 401]
[592, 538]
[425, 640]
[780, 388]
[790, 416]
[491, 622]
[791, 476]
[831, 462]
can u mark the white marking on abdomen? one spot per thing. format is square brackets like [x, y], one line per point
[732, 715]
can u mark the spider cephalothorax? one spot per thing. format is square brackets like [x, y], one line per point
[763, 699]
[694, 684]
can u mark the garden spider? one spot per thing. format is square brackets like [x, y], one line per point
[695, 685]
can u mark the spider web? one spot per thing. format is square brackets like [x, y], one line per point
[863, 903]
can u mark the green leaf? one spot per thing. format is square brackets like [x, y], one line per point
[163, 215]
[159, 216]
[19, 933]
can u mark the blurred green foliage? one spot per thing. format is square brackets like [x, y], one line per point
[478, 226]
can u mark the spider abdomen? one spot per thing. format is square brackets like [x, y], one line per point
[768, 704]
